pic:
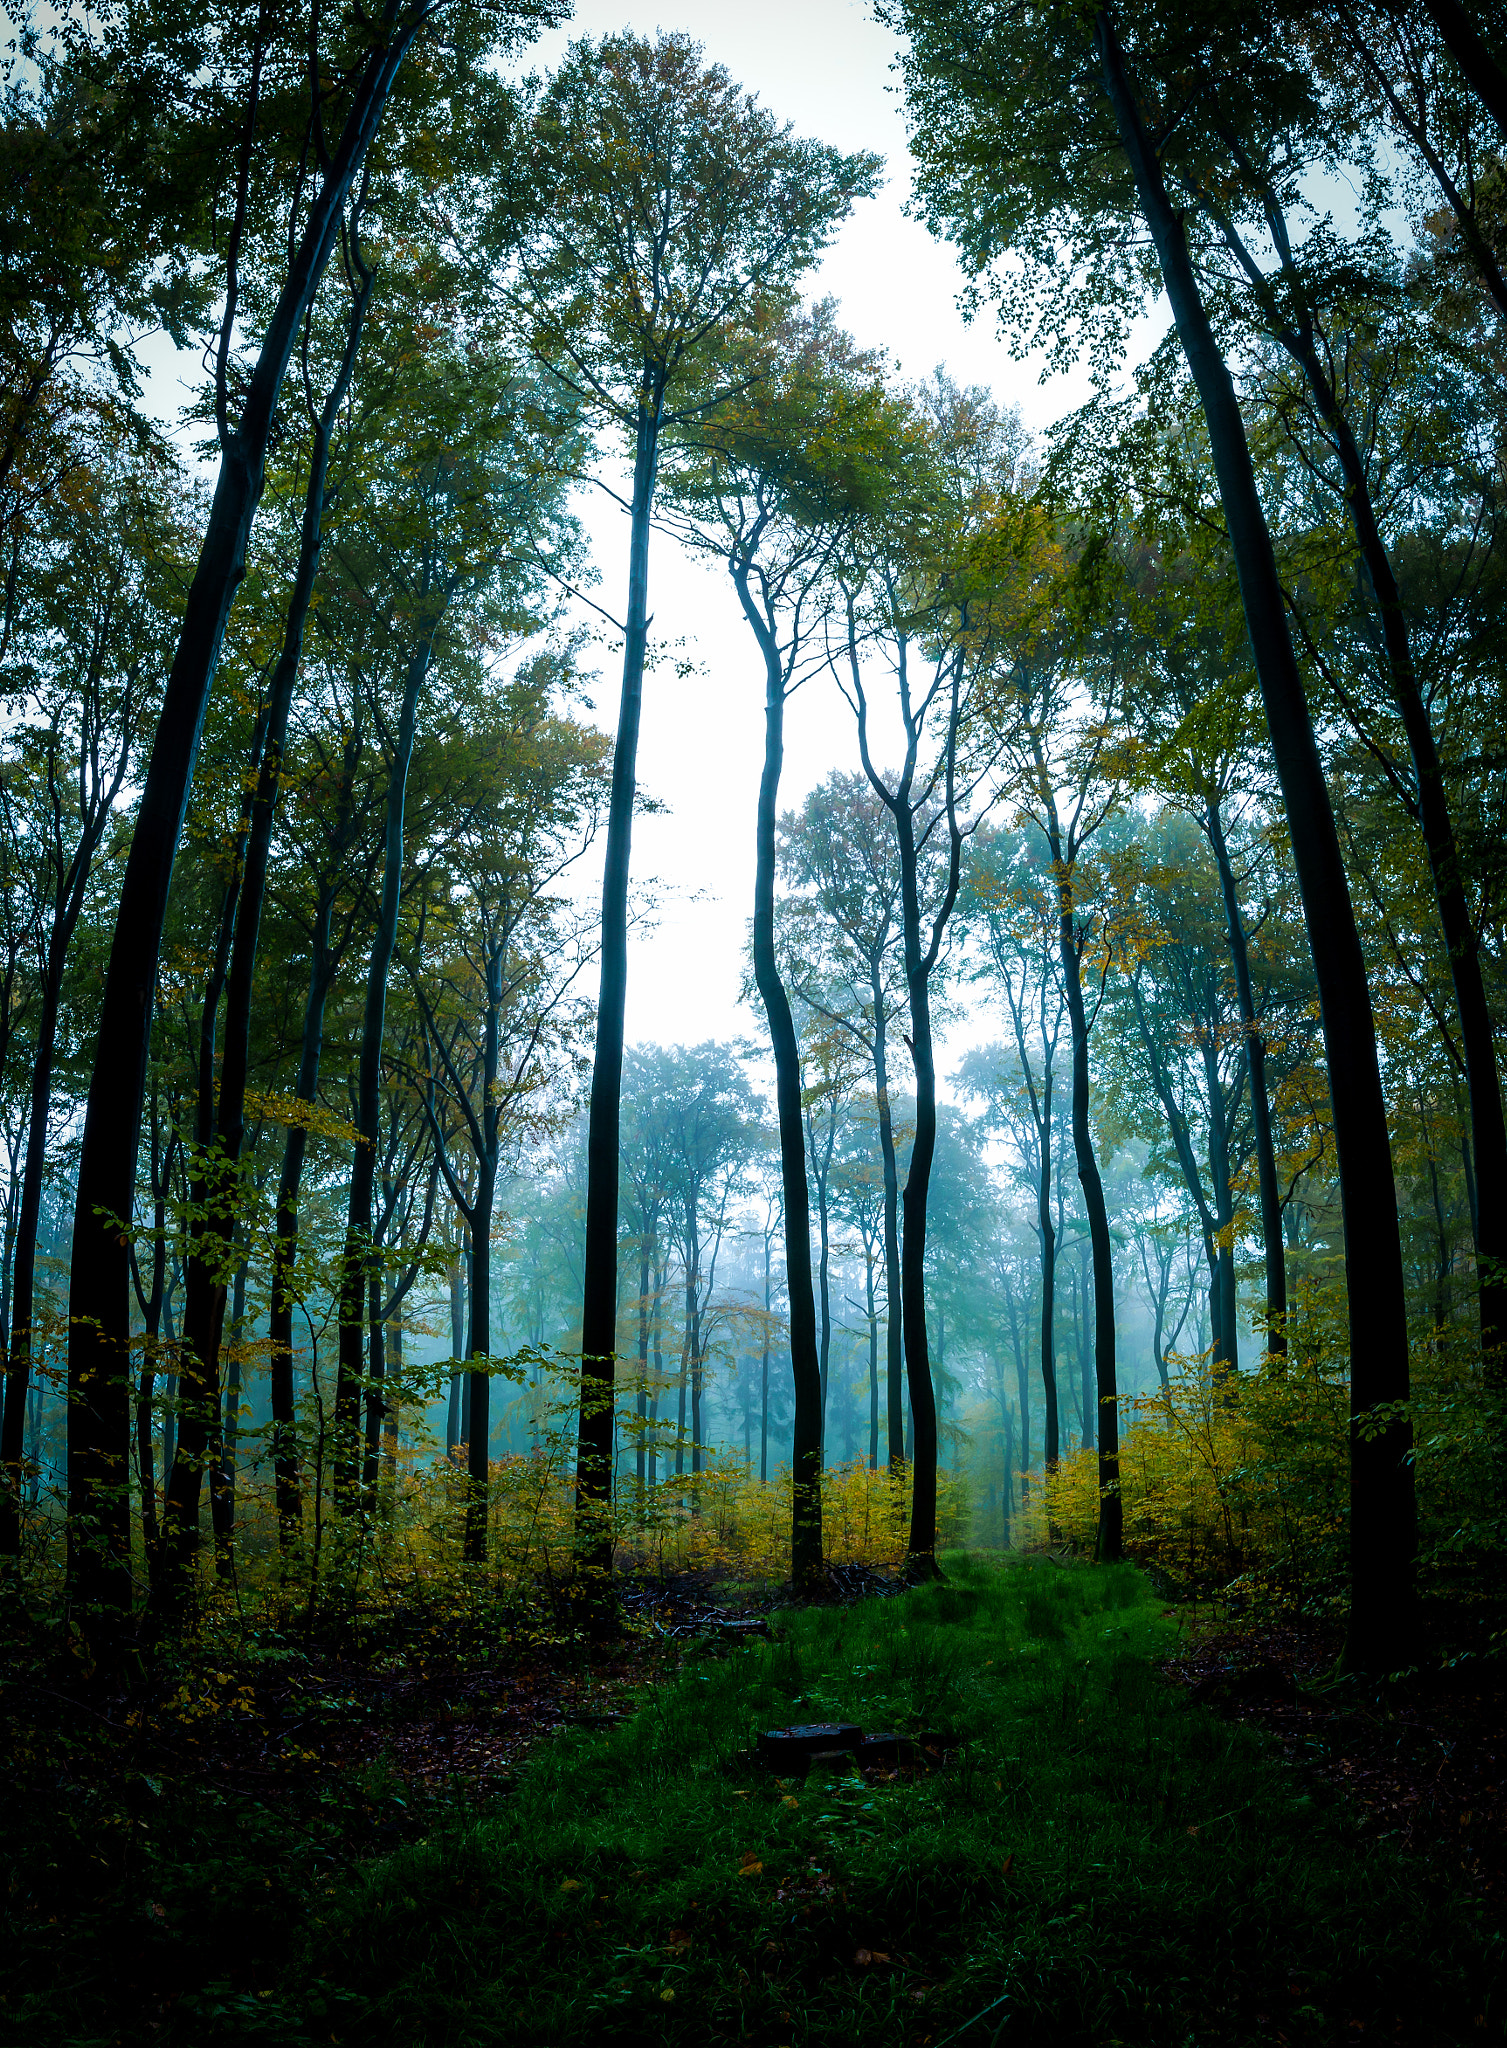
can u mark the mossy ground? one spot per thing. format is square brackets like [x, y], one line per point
[1101, 1862]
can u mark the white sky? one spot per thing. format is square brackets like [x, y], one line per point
[825, 65]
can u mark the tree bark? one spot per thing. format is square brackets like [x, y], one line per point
[1261, 1111]
[1383, 1532]
[593, 1539]
[99, 1283]
[805, 1363]
[358, 1228]
[894, 1343]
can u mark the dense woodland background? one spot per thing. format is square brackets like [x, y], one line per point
[341, 1230]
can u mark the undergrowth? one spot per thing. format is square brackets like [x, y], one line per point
[1101, 1862]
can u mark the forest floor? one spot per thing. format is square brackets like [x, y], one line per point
[1129, 1824]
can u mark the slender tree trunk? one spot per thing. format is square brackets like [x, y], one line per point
[894, 1342]
[1105, 1424]
[1047, 1233]
[922, 1543]
[599, 1294]
[374, 1404]
[1220, 1119]
[204, 1285]
[23, 1271]
[358, 1227]
[99, 1282]
[659, 1366]
[873, 1315]
[1383, 1527]
[805, 1362]
[152, 1324]
[285, 1460]
[222, 1475]
[479, 1383]
[693, 1338]
[642, 1403]
[453, 1435]
[392, 1421]
[824, 1282]
[683, 1384]
[1261, 1111]
[764, 1378]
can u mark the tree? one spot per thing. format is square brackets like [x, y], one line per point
[1006, 904]
[365, 65]
[1065, 786]
[1016, 115]
[846, 966]
[912, 589]
[493, 965]
[655, 209]
[81, 671]
[703, 1104]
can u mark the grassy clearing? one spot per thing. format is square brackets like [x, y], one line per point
[1103, 1863]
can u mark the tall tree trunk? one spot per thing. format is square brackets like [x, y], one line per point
[1102, 1427]
[659, 1366]
[204, 1284]
[599, 1292]
[99, 1280]
[23, 1271]
[873, 1316]
[222, 1474]
[479, 1380]
[805, 1362]
[894, 1343]
[453, 1435]
[285, 1460]
[921, 1546]
[642, 1403]
[1383, 1526]
[820, 1168]
[1221, 1115]
[1046, 1231]
[358, 1226]
[1261, 1110]
[764, 1379]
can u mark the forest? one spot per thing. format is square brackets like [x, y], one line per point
[969, 1505]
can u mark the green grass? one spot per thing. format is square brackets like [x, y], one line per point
[1103, 1863]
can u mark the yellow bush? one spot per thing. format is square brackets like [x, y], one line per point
[1243, 1479]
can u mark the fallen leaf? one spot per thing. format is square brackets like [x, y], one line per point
[1005, 1866]
[788, 1801]
[750, 1870]
[570, 1884]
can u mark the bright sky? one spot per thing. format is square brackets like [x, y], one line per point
[825, 65]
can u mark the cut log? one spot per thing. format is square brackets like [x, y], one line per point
[794, 1748]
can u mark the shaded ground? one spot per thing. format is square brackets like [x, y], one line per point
[290, 1840]
[1422, 1763]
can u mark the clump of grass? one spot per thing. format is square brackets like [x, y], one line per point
[1103, 1863]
